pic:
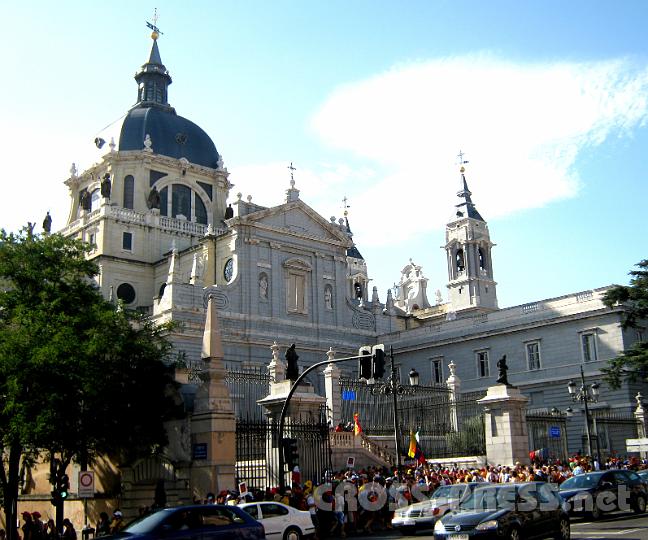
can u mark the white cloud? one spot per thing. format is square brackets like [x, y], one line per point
[522, 126]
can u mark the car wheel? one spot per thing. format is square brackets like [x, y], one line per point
[564, 530]
[292, 533]
[595, 514]
[514, 534]
[639, 505]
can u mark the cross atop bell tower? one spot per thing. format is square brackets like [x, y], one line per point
[468, 249]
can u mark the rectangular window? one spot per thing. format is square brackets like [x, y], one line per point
[296, 293]
[127, 241]
[483, 369]
[437, 371]
[588, 343]
[533, 355]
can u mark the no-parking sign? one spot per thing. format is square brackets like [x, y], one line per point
[86, 484]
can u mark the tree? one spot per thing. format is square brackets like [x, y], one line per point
[78, 375]
[631, 364]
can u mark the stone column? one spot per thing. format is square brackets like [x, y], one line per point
[332, 388]
[213, 425]
[507, 440]
[642, 417]
[454, 385]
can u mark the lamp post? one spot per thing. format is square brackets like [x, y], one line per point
[393, 387]
[586, 394]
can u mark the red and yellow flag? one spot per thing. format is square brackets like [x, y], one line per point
[357, 428]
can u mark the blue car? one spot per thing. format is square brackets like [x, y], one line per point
[204, 522]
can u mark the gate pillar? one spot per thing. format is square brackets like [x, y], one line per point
[507, 440]
[332, 387]
[305, 406]
[213, 426]
[454, 385]
[642, 416]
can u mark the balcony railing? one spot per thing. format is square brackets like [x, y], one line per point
[127, 215]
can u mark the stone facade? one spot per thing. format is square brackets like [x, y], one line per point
[285, 274]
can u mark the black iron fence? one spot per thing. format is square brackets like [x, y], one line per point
[247, 385]
[446, 427]
[258, 447]
[547, 434]
[610, 429]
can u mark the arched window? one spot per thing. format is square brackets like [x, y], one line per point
[461, 264]
[482, 259]
[201, 211]
[95, 199]
[180, 201]
[164, 201]
[129, 188]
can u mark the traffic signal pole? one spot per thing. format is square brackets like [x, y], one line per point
[284, 410]
[395, 403]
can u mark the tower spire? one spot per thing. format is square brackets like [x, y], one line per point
[153, 79]
[468, 248]
[467, 207]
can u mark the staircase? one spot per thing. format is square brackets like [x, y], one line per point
[345, 444]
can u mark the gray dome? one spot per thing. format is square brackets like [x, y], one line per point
[171, 135]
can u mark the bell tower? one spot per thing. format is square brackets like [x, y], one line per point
[468, 249]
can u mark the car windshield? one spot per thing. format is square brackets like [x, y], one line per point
[489, 498]
[454, 491]
[580, 481]
[148, 523]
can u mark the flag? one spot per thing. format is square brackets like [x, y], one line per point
[357, 428]
[414, 450]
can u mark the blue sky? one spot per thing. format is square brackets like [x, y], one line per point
[370, 100]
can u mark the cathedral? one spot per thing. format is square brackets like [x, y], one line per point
[168, 235]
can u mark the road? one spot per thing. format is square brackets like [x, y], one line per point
[616, 526]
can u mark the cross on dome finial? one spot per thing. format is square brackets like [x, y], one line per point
[461, 161]
[292, 178]
[156, 31]
[345, 205]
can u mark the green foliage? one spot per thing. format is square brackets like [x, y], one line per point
[469, 440]
[78, 376]
[632, 364]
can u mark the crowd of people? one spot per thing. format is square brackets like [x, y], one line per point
[34, 528]
[356, 501]
[352, 502]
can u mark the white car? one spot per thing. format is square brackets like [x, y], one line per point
[281, 522]
[424, 515]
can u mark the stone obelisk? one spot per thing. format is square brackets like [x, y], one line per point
[213, 425]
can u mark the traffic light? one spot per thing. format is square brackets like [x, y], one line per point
[56, 497]
[291, 455]
[364, 363]
[378, 352]
[63, 486]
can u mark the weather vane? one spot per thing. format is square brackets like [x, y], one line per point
[292, 170]
[461, 159]
[154, 27]
[345, 205]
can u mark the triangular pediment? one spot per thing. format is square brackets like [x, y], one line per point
[298, 219]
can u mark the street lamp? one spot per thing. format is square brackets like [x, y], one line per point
[393, 387]
[586, 394]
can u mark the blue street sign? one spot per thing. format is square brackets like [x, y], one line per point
[200, 451]
[554, 432]
[349, 395]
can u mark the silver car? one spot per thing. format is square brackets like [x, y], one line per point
[424, 514]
